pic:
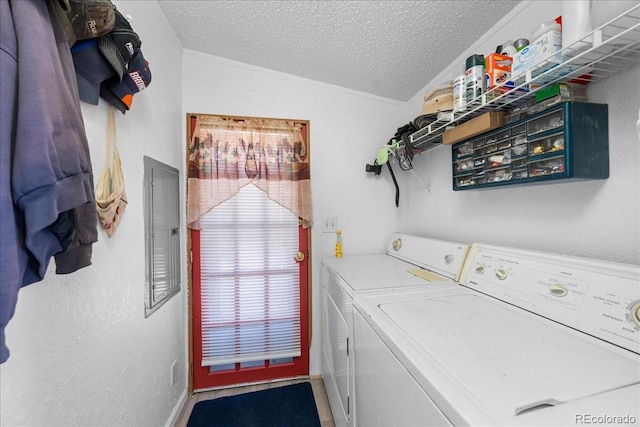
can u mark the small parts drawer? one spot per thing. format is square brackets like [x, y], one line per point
[546, 122]
[550, 144]
[547, 166]
[464, 165]
[499, 175]
[463, 150]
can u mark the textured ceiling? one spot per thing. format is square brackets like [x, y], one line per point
[386, 48]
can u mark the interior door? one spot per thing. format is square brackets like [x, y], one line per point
[217, 357]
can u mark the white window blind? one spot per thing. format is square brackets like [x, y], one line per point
[250, 283]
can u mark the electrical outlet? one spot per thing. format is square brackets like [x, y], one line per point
[329, 224]
[174, 372]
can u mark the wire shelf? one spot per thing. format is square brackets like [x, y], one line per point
[610, 49]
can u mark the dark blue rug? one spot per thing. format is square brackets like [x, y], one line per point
[286, 406]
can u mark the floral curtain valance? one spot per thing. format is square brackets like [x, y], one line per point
[227, 154]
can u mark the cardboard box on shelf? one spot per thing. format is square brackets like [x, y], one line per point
[473, 127]
[498, 71]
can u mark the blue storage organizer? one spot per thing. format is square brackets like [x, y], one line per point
[567, 141]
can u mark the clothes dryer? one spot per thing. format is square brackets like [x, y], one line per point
[409, 262]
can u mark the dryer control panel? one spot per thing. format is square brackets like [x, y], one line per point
[599, 298]
[440, 256]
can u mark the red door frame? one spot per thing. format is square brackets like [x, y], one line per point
[201, 376]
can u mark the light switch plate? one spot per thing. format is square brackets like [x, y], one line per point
[329, 224]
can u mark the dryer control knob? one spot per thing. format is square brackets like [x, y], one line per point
[480, 268]
[635, 313]
[501, 273]
[449, 258]
[558, 290]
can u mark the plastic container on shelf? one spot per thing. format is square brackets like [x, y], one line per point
[338, 243]
[521, 44]
[544, 28]
[576, 21]
[546, 43]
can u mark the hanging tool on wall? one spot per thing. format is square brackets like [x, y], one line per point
[399, 147]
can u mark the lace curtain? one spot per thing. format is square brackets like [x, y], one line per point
[227, 154]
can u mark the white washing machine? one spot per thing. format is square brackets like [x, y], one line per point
[410, 262]
[527, 339]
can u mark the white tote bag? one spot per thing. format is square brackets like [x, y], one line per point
[111, 197]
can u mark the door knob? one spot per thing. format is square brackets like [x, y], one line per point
[299, 257]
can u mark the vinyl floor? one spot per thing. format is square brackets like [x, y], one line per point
[317, 385]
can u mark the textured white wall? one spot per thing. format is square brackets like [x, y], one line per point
[82, 352]
[346, 127]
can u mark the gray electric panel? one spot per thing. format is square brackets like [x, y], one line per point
[162, 233]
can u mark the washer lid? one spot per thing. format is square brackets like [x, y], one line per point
[371, 272]
[600, 298]
[510, 361]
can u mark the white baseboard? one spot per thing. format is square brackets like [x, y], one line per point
[177, 410]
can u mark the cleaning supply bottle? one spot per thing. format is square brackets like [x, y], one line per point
[338, 243]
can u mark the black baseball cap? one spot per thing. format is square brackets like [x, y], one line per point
[120, 46]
